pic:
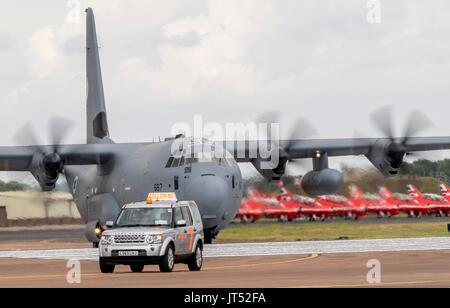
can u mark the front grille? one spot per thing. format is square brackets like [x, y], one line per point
[129, 238]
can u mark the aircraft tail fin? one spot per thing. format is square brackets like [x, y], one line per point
[355, 192]
[97, 125]
[252, 193]
[385, 193]
[445, 191]
[283, 190]
[413, 191]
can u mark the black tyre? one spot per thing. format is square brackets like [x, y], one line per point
[137, 267]
[167, 262]
[196, 261]
[105, 267]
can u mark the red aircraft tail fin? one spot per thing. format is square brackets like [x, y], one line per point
[355, 192]
[413, 191]
[252, 193]
[283, 190]
[445, 191]
[385, 193]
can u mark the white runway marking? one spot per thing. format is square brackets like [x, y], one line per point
[260, 249]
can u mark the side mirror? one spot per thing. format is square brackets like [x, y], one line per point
[181, 223]
[109, 224]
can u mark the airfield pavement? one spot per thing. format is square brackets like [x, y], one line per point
[418, 262]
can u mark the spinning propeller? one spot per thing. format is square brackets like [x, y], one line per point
[47, 163]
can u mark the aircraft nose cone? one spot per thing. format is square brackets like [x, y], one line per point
[210, 194]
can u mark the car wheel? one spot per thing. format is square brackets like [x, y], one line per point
[196, 261]
[137, 267]
[167, 262]
[105, 267]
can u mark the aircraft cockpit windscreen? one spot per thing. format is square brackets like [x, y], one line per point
[194, 152]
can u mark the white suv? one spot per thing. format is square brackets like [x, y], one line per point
[162, 232]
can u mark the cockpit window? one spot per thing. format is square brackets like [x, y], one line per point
[206, 157]
[169, 162]
[175, 162]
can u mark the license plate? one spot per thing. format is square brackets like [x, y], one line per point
[128, 253]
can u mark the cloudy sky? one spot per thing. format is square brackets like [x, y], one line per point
[165, 61]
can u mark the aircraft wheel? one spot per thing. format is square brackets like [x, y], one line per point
[282, 218]
[105, 267]
[137, 267]
[208, 236]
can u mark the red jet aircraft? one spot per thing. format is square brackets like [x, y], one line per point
[445, 191]
[433, 203]
[388, 205]
[255, 206]
[419, 204]
[304, 206]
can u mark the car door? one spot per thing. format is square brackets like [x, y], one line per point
[198, 226]
[180, 233]
[189, 230]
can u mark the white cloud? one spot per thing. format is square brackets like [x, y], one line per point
[230, 60]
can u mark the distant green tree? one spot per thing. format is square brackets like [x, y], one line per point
[424, 167]
[13, 186]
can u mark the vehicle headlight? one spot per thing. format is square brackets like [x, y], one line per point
[154, 239]
[107, 239]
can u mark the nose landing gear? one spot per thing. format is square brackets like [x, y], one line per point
[210, 234]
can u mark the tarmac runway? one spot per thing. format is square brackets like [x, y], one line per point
[403, 263]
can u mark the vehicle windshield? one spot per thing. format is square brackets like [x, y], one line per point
[145, 217]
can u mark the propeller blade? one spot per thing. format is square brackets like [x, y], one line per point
[59, 127]
[302, 129]
[269, 117]
[25, 136]
[382, 119]
[417, 121]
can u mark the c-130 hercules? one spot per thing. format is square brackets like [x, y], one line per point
[103, 175]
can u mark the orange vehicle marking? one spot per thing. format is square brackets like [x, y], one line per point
[191, 232]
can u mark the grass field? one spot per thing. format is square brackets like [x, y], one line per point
[308, 232]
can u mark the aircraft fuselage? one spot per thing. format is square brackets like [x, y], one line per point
[101, 191]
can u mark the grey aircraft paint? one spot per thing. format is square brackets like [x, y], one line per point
[103, 175]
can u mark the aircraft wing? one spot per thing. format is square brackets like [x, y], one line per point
[243, 151]
[15, 158]
[19, 158]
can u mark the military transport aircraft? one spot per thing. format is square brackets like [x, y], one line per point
[103, 175]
